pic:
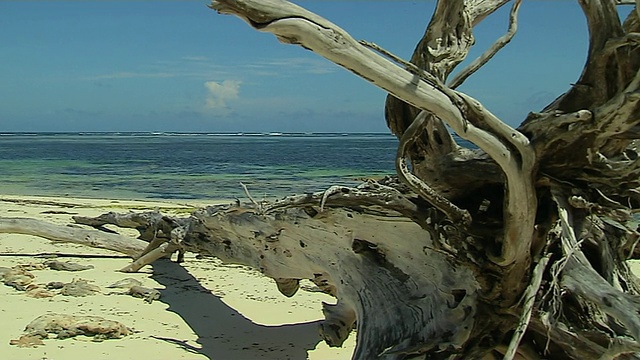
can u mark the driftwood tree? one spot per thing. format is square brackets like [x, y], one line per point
[515, 249]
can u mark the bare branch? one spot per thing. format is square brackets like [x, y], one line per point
[548, 128]
[618, 115]
[253, 201]
[521, 203]
[448, 39]
[165, 249]
[616, 43]
[489, 53]
[444, 45]
[441, 203]
[398, 308]
[479, 9]
[529, 300]
[451, 24]
[88, 237]
[368, 194]
[330, 191]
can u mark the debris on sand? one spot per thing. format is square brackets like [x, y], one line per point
[37, 292]
[63, 326]
[145, 293]
[79, 287]
[66, 266]
[16, 277]
[125, 283]
[135, 289]
[28, 341]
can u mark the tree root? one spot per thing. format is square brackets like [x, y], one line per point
[400, 308]
[529, 300]
[581, 279]
[92, 238]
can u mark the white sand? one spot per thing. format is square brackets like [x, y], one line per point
[207, 310]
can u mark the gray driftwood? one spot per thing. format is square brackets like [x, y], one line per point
[516, 249]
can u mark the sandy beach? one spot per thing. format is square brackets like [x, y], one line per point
[206, 309]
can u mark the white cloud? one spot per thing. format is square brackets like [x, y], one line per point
[219, 94]
[185, 67]
[131, 75]
[293, 65]
[201, 67]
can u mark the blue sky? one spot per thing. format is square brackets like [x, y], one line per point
[179, 66]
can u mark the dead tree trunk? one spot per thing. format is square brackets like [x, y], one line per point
[516, 249]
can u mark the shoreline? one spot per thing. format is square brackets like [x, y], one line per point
[207, 310]
[80, 201]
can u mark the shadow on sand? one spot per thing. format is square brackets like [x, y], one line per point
[223, 333]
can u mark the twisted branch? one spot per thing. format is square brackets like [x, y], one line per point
[489, 53]
[433, 197]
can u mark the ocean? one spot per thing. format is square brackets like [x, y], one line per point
[188, 166]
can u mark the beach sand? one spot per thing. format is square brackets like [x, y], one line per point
[207, 310]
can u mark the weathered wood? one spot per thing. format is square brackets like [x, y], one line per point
[581, 278]
[446, 42]
[373, 276]
[443, 204]
[489, 53]
[442, 263]
[74, 235]
[357, 255]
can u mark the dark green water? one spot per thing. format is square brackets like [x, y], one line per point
[188, 166]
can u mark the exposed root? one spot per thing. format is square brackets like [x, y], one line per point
[331, 191]
[440, 202]
[579, 277]
[529, 300]
[253, 201]
[166, 249]
[489, 53]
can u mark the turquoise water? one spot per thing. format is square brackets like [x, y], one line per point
[188, 166]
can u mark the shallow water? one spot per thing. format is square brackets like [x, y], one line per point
[188, 166]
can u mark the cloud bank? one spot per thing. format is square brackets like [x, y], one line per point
[219, 94]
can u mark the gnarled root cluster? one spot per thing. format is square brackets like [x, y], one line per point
[516, 248]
